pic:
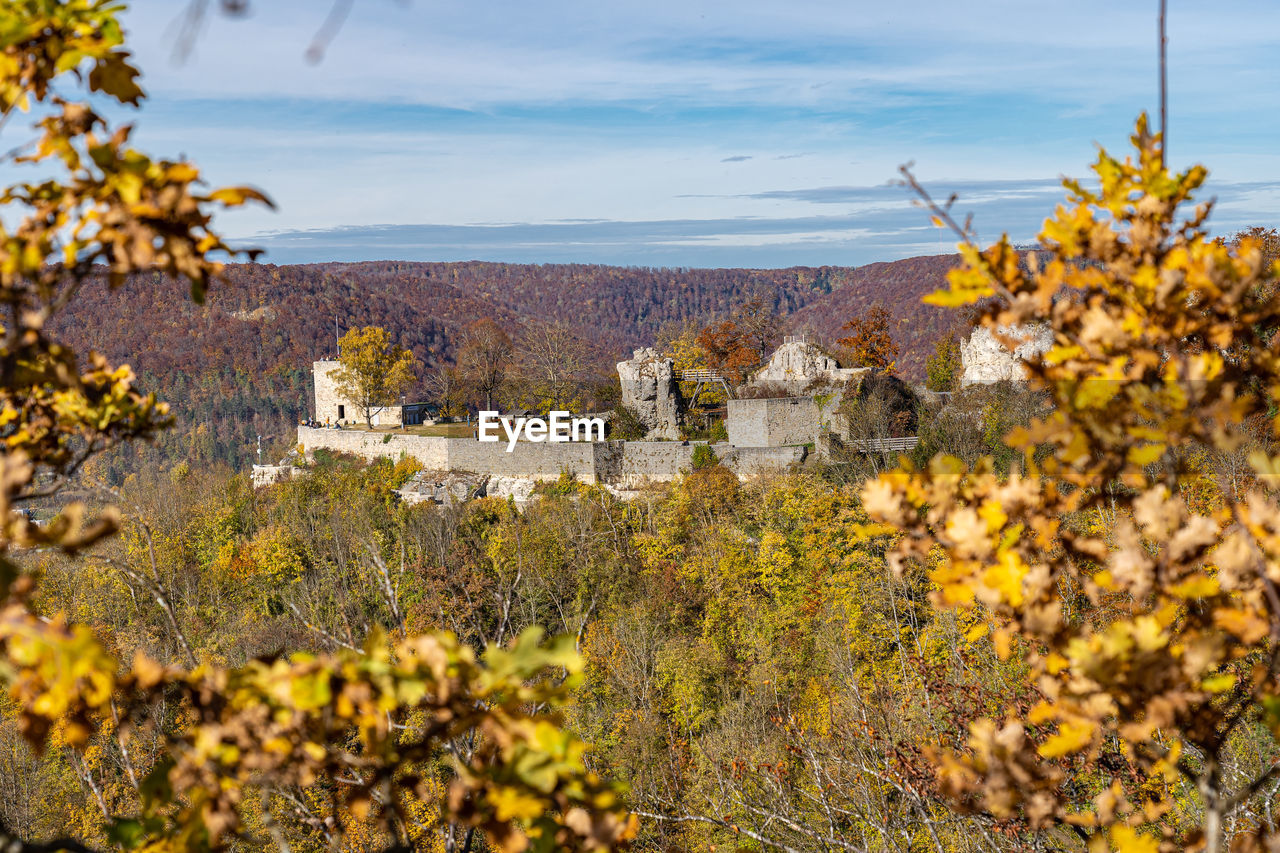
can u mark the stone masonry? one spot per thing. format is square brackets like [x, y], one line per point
[332, 407]
[619, 463]
[772, 422]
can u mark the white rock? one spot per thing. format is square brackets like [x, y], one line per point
[650, 390]
[985, 359]
[800, 362]
[519, 489]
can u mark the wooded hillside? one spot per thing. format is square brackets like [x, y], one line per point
[238, 366]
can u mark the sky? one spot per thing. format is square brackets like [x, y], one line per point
[691, 132]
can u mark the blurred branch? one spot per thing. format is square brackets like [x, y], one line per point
[193, 17]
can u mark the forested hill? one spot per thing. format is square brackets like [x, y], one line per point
[237, 367]
[898, 286]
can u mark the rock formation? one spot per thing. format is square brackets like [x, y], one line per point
[650, 389]
[797, 363]
[986, 359]
[442, 487]
[518, 489]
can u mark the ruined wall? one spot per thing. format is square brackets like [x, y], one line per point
[326, 393]
[628, 464]
[748, 462]
[268, 475]
[328, 400]
[431, 451]
[653, 462]
[609, 457]
[772, 422]
[540, 461]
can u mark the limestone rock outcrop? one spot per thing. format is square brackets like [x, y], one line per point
[268, 475]
[986, 359]
[650, 389]
[797, 364]
[452, 487]
[442, 487]
[518, 489]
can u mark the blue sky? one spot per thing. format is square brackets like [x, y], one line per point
[693, 133]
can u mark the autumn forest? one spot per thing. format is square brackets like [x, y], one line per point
[1053, 624]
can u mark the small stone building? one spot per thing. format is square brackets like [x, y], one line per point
[332, 408]
[772, 422]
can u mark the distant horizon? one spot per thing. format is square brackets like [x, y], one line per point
[266, 261]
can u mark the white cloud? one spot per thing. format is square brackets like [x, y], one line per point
[679, 111]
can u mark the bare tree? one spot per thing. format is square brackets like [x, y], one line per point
[447, 388]
[553, 363]
[485, 358]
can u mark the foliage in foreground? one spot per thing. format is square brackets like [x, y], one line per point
[359, 721]
[1081, 633]
[1147, 613]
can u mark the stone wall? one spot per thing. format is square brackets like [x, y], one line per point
[268, 475]
[609, 457]
[629, 464]
[748, 462]
[653, 462]
[535, 461]
[431, 451]
[774, 422]
[540, 461]
[332, 407]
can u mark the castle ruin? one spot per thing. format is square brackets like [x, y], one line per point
[766, 433]
[333, 408]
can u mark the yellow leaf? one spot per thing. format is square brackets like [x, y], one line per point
[1145, 454]
[1201, 586]
[514, 804]
[1219, 683]
[1072, 736]
[993, 514]
[1245, 624]
[1003, 641]
[1125, 839]
[235, 196]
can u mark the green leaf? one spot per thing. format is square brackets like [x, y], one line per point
[127, 833]
[156, 788]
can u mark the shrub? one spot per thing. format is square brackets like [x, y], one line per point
[626, 425]
[703, 457]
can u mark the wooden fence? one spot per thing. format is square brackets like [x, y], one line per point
[884, 445]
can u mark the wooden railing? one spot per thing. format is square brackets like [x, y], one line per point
[698, 375]
[884, 445]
